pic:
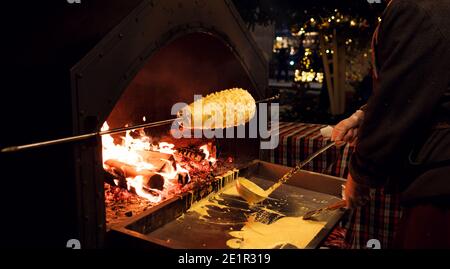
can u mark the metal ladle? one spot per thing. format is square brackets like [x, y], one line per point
[254, 194]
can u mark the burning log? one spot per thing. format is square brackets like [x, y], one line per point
[162, 162]
[152, 179]
[198, 153]
[183, 178]
[114, 179]
[192, 153]
[109, 178]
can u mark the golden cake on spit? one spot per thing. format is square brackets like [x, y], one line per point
[222, 109]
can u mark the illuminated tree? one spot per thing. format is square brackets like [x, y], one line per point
[344, 29]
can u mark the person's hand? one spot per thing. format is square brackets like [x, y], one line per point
[346, 131]
[356, 194]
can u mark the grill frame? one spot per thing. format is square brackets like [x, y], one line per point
[135, 232]
[97, 84]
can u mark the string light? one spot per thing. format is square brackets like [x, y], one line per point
[300, 32]
[308, 76]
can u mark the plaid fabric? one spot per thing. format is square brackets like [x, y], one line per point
[379, 219]
[299, 140]
[376, 220]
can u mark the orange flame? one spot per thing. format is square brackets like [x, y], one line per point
[128, 152]
[205, 150]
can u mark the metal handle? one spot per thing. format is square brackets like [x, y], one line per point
[300, 165]
[297, 168]
[86, 136]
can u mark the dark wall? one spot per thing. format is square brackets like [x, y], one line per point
[196, 63]
[41, 41]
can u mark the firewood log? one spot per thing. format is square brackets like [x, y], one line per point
[152, 179]
[162, 162]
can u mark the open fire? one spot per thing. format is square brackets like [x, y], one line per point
[153, 171]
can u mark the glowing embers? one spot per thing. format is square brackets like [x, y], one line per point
[207, 153]
[152, 171]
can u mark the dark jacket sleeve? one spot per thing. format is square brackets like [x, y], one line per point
[413, 61]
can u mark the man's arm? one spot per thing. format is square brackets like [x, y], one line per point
[414, 63]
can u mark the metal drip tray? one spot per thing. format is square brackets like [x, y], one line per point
[224, 220]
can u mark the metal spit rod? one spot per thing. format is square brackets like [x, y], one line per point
[100, 133]
[86, 136]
